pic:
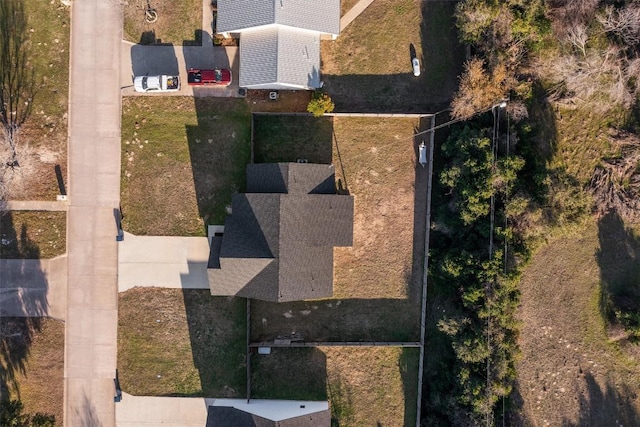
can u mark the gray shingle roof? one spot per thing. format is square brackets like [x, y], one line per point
[275, 56]
[292, 178]
[278, 243]
[223, 416]
[318, 15]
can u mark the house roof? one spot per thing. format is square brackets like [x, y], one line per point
[224, 416]
[278, 242]
[279, 56]
[237, 15]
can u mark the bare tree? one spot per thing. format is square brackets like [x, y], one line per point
[624, 22]
[17, 82]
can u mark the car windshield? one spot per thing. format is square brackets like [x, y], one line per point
[144, 83]
[218, 74]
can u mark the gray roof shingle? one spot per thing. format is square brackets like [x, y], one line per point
[278, 246]
[320, 15]
[275, 56]
[224, 416]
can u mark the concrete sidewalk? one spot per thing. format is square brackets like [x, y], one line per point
[162, 261]
[33, 205]
[33, 287]
[353, 13]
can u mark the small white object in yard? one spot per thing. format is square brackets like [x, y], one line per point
[415, 63]
[264, 321]
[288, 314]
[305, 312]
[157, 320]
[423, 154]
[159, 376]
[210, 141]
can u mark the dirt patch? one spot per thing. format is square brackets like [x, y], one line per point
[181, 342]
[287, 101]
[36, 359]
[570, 372]
[178, 22]
[32, 234]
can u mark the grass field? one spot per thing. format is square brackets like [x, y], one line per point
[32, 234]
[181, 162]
[572, 372]
[377, 281]
[166, 30]
[368, 67]
[42, 138]
[187, 343]
[365, 386]
[32, 365]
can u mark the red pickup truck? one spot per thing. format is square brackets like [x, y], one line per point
[219, 77]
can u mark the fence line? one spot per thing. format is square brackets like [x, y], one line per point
[372, 115]
[248, 350]
[287, 343]
[423, 318]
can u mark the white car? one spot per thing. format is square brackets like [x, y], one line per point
[160, 83]
[415, 63]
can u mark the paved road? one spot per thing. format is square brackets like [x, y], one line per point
[94, 193]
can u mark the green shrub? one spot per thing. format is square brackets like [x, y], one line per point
[320, 103]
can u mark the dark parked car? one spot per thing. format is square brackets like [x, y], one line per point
[209, 77]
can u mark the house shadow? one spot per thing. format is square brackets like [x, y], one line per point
[206, 56]
[441, 62]
[619, 261]
[23, 302]
[155, 59]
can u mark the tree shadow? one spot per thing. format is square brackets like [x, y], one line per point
[611, 405]
[619, 262]
[86, 412]
[23, 302]
[17, 78]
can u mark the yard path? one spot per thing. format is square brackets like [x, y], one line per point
[353, 13]
[33, 205]
[94, 196]
[33, 287]
[163, 261]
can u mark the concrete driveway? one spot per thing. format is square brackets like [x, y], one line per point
[138, 60]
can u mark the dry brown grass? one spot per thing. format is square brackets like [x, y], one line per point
[377, 281]
[41, 385]
[32, 234]
[570, 372]
[43, 137]
[177, 22]
[181, 342]
[368, 67]
[364, 386]
[289, 101]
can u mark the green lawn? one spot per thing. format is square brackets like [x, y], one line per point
[181, 342]
[32, 234]
[182, 160]
[289, 138]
